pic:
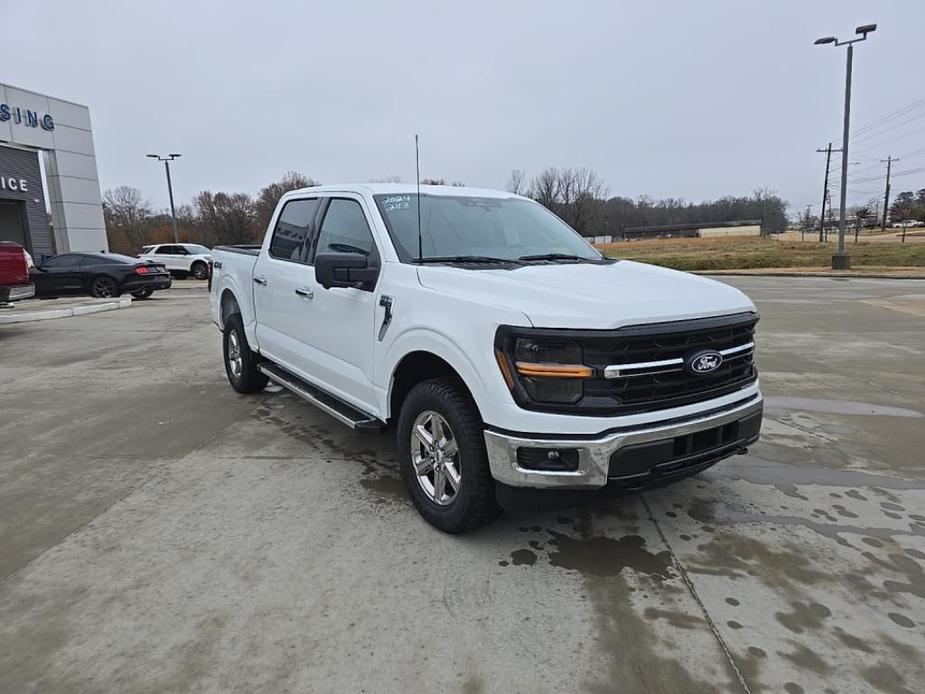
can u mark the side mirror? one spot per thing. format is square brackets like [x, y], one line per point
[345, 270]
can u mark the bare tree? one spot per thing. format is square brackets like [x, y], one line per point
[587, 192]
[544, 188]
[517, 182]
[576, 195]
[269, 196]
[226, 218]
[127, 212]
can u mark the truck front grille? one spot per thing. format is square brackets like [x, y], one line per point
[645, 368]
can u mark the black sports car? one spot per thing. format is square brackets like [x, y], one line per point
[98, 274]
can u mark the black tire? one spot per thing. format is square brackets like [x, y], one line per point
[200, 270]
[143, 293]
[243, 375]
[104, 287]
[473, 504]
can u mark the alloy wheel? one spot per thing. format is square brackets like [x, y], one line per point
[235, 361]
[435, 457]
[104, 288]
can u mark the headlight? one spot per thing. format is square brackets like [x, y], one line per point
[550, 371]
[528, 350]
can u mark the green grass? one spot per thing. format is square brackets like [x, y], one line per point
[753, 253]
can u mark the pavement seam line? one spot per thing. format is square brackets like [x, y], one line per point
[703, 609]
[80, 527]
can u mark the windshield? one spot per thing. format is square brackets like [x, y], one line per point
[500, 228]
[196, 249]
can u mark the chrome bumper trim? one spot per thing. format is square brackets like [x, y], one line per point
[23, 291]
[594, 455]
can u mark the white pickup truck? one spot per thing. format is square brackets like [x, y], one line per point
[508, 354]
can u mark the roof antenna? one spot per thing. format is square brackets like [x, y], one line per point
[417, 164]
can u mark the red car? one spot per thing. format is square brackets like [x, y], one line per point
[14, 273]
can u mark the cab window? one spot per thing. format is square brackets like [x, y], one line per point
[292, 229]
[344, 229]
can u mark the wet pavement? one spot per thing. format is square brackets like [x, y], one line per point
[160, 533]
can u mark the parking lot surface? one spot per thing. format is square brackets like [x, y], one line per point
[160, 533]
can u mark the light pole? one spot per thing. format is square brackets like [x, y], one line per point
[173, 213]
[841, 260]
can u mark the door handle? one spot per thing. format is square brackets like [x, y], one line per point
[307, 293]
[261, 280]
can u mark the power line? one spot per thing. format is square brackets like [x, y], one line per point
[874, 136]
[898, 137]
[899, 113]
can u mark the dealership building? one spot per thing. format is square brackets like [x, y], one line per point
[49, 187]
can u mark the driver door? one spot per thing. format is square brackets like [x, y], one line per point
[342, 330]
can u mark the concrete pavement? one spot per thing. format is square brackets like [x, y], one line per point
[160, 533]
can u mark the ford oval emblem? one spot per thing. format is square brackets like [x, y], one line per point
[705, 362]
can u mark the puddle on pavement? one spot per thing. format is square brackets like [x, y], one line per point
[606, 556]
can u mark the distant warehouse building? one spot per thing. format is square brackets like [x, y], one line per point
[743, 227]
[48, 169]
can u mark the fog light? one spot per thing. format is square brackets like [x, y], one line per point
[548, 459]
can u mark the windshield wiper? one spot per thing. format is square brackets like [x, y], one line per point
[466, 259]
[557, 256]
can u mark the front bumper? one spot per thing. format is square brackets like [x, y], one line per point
[632, 455]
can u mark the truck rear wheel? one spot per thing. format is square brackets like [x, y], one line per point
[441, 449]
[240, 361]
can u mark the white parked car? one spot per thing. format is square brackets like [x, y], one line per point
[907, 224]
[511, 356]
[181, 259]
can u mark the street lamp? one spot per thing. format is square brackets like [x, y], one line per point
[173, 213]
[841, 260]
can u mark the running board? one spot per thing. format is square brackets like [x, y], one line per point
[334, 406]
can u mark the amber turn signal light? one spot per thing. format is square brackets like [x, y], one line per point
[525, 368]
[505, 371]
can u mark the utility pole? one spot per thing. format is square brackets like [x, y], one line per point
[805, 224]
[841, 260]
[825, 189]
[886, 194]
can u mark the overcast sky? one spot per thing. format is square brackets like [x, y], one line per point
[669, 99]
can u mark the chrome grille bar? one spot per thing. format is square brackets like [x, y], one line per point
[645, 368]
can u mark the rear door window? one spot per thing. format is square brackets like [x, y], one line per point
[292, 229]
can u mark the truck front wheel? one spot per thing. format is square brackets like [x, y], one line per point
[240, 361]
[441, 449]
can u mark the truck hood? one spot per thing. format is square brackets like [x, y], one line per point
[590, 296]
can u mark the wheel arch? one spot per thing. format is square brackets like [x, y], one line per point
[416, 367]
[228, 305]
